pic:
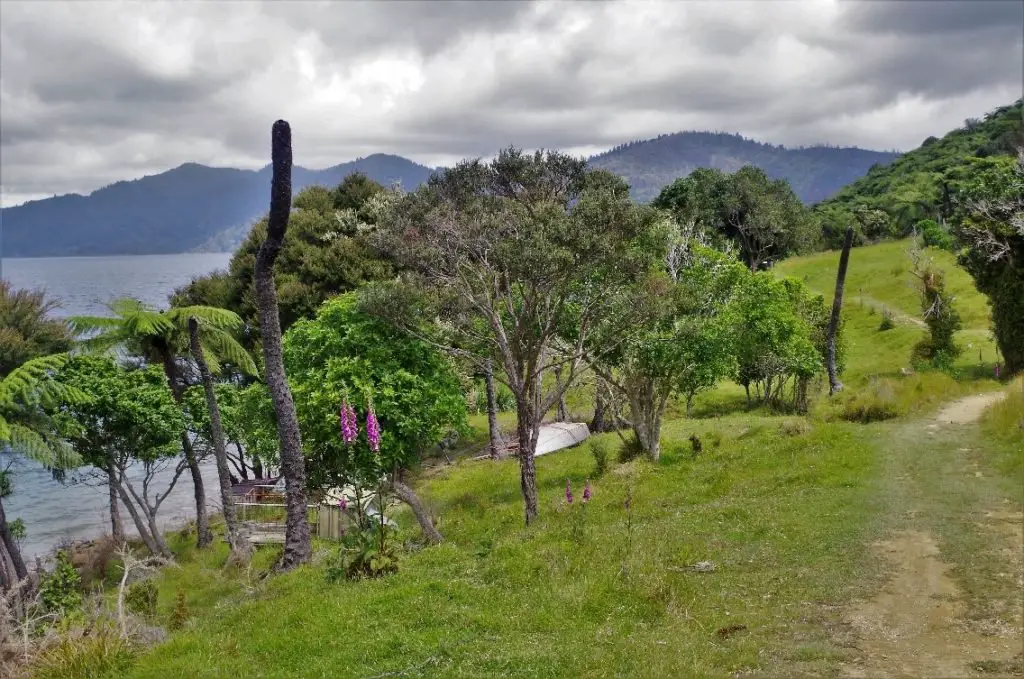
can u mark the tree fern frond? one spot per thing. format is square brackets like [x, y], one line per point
[5, 430]
[208, 316]
[220, 346]
[81, 325]
[29, 443]
[22, 383]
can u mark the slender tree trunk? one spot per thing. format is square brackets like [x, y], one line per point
[527, 431]
[239, 549]
[140, 525]
[409, 497]
[597, 424]
[497, 446]
[204, 537]
[116, 523]
[834, 384]
[11, 545]
[562, 414]
[297, 547]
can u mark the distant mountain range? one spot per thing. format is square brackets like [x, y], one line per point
[198, 208]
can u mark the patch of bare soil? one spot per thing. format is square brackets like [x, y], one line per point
[969, 409]
[914, 626]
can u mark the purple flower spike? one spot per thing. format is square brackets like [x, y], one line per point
[372, 430]
[342, 503]
[568, 492]
[349, 427]
[586, 491]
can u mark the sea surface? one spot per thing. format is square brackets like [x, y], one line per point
[78, 509]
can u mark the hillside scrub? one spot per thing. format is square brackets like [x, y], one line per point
[924, 183]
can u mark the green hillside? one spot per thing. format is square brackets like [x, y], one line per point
[878, 280]
[922, 184]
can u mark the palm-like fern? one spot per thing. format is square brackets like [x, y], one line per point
[143, 330]
[27, 389]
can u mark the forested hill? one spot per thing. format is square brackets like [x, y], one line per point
[180, 210]
[922, 183]
[195, 207]
[814, 172]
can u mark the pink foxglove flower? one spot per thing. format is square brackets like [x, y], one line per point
[586, 491]
[342, 503]
[372, 430]
[568, 492]
[349, 426]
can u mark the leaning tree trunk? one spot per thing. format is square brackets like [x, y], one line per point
[204, 535]
[834, 384]
[240, 549]
[8, 578]
[140, 525]
[12, 547]
[409, 497]
[297, 547]
[116, 523]
[497, 446]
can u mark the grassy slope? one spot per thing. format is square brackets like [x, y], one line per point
[879, 278]
[785, 516]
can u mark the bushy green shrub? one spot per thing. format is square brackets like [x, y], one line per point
[180, 614]
[60, 591]
[141, 598]
[599, 449]
[934, 235]
[888, 322]
[876, 402]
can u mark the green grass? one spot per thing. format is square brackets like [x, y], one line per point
[879, 277]
[786, 507]
[780, 516]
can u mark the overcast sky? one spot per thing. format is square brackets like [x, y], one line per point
[95, 92]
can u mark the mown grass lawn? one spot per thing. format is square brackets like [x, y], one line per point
[785, 507]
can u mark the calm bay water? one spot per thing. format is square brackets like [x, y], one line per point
[78, 509]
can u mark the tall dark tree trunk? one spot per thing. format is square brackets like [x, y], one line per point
[204, 537]
[834, 384]
[527, 431]
[409, 497]
[116, 523]
[12, 547]
[497, 446]
[297, 547]
[239, 548]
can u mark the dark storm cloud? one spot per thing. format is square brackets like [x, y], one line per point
[91, 93]
[937, 19]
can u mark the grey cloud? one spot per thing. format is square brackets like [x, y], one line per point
[86, 101]
[937, 17]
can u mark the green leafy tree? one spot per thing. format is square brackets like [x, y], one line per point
[27, 328]
[161, 337]
[760, 215]
[775, 343]
[347, 355]
[506, 254]
[675, 342]
[326, 251]
[129, 419]
[989, 225]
